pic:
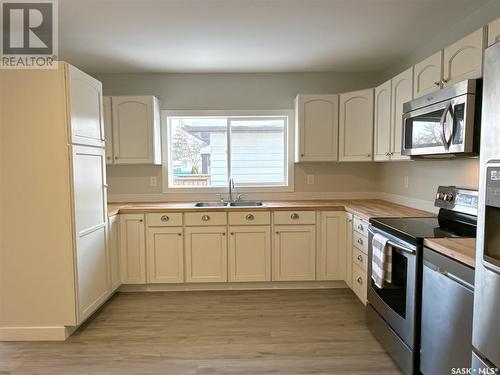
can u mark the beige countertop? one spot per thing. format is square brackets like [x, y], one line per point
[364, 208]
[461, 249]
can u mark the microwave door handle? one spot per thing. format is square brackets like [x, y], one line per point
[446, 143]
[452, 124]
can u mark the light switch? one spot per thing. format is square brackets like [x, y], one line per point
[310, 179]
[153, 181]
[406, 182]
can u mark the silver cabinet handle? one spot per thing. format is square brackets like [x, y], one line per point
[360, 241]
[437, 83]
[294, 216]
[360, 258]
[205, 218]
[361, 227]
[360, 280]
[164, 218]
[249, 217]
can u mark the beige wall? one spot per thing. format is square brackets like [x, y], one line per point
[425, 176]
[240, 91]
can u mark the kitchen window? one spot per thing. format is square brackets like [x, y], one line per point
[205, 149]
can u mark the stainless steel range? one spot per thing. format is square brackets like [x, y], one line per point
[393, 311]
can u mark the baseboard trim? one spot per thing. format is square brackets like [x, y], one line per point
[35, 333]
[419, 204]
[183, 197]
[233, 286]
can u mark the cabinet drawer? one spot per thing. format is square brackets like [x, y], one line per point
[205, 218]
[360, 226]
[164, 219]
[359, 258]
[361, 242]
[295, 217]
[359, 282]
[249, 218]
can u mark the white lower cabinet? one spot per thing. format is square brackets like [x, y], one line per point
[165, 255]
[294, 253]
[332, 260]
[206, 254]
[250, 253]
[132, 249]
[114, 251]
[359, 279]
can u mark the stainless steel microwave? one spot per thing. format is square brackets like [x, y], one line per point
[445, 123]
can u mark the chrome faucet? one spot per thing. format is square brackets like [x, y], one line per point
[231, 188]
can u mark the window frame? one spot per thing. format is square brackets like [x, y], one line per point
[243, 114]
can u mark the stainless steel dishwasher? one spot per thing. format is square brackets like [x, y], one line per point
[446, 320]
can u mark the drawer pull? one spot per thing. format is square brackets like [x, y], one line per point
[361, 227]
[164, 218]
[360, 241]
[360, 280]
[250, 217]
[205, 218]
[360, 258]
[294, 216]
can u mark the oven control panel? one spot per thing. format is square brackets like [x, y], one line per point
[457, 199]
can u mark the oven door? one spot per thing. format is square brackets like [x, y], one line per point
[396, 303]
[446, 127]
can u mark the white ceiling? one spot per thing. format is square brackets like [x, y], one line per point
[249, 35]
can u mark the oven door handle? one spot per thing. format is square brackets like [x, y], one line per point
[397, 246]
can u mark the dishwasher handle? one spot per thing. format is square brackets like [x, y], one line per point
[449, 275]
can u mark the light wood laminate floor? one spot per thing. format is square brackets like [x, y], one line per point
[221, 332]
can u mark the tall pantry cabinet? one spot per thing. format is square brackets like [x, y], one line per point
[54, 256]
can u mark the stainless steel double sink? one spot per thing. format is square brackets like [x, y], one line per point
[230, 204]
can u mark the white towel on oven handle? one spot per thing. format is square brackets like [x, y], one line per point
[381, 261]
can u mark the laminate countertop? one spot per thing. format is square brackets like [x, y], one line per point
[363, 208]
[460, 249]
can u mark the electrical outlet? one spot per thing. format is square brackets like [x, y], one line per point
[153, 181]
[406, 182]
[310, 179]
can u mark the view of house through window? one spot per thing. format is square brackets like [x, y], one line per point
[206, 151]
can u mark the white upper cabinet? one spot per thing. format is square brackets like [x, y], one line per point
[356, 126]
[85, 102]
[494, 32]
[427, 75]
[108, 128]
[136, 130]
[382, 131]
[402, 92]
[317, 127]
[464, 58]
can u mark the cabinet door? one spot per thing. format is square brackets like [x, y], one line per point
[356, 126]
[206, 254]
[134, 130]
[349, 249]
[89, 176]
[318, 124]
[494, 32]
[382, 131]
[464, 58]
[402, 92]
[108, 128]
[427, 75]
[132, 249]
[165, 255]
[294, 252]
[250, 253]
[332, 257]
[114, 251]
[85, 105]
